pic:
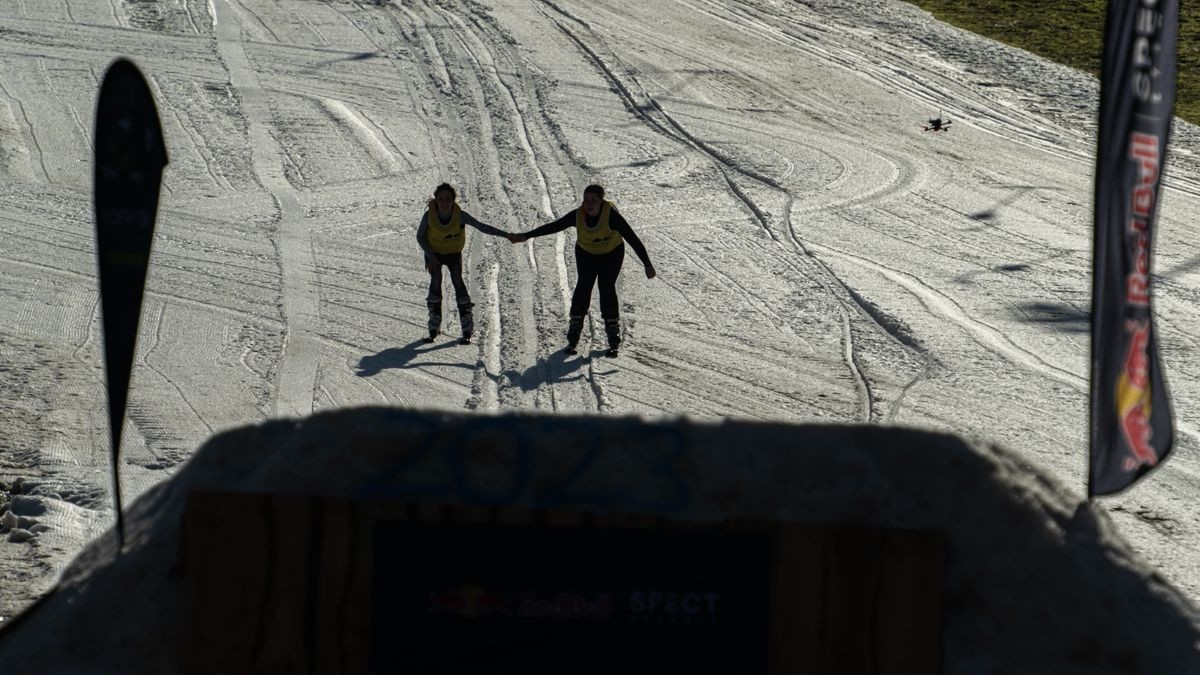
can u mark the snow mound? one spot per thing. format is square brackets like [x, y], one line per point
[1035, 581]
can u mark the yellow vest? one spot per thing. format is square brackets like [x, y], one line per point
[448, 238]
[600, 239]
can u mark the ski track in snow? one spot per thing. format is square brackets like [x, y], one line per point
[819, 258]
[675, 131]
[508, 111]
[299, 361]
[366, 135]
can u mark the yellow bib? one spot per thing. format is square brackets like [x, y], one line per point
[600, 239]
[448, 238]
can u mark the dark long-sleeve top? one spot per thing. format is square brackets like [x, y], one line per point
[615, 221]
[467, 219]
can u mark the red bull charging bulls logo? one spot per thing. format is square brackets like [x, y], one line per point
[1134, 400]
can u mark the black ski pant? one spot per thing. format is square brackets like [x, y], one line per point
[589, 268]
[453, 263]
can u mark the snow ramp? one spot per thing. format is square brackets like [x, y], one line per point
[294, 546]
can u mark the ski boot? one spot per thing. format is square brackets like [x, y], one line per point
[613, 328]
[574, 329]
[435, 319]
[467, 319]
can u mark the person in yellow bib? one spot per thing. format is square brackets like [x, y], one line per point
[442, 234]
[600, 236]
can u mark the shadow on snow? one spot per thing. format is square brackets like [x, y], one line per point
[402, 357]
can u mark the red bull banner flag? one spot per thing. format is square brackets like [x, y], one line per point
[1131, 429]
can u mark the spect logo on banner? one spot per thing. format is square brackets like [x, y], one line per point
[1131, 429]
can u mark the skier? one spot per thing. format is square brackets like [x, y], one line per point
[441, 235]
[599, 251]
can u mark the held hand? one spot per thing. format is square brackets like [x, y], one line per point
[517, 237]
[650, 273]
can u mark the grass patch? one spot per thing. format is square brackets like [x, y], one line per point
[1071, 32]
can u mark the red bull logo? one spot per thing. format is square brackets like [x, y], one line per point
[468, 601]
[564, 606]
[472, 602]
[1145, 153]
[1133, 398]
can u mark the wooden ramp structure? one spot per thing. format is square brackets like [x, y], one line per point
[408, 579]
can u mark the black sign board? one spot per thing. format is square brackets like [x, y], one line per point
[331, 585]
[129, 160]
[539, 598]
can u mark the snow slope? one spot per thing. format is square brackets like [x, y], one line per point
[820, 258]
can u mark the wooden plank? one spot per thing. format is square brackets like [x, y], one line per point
[852, 564]
[222, 627]
[797, 609]
[293, 537]
[332, 601]
[909, 633]
[356, 630]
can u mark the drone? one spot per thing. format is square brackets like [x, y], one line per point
[937, 124]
